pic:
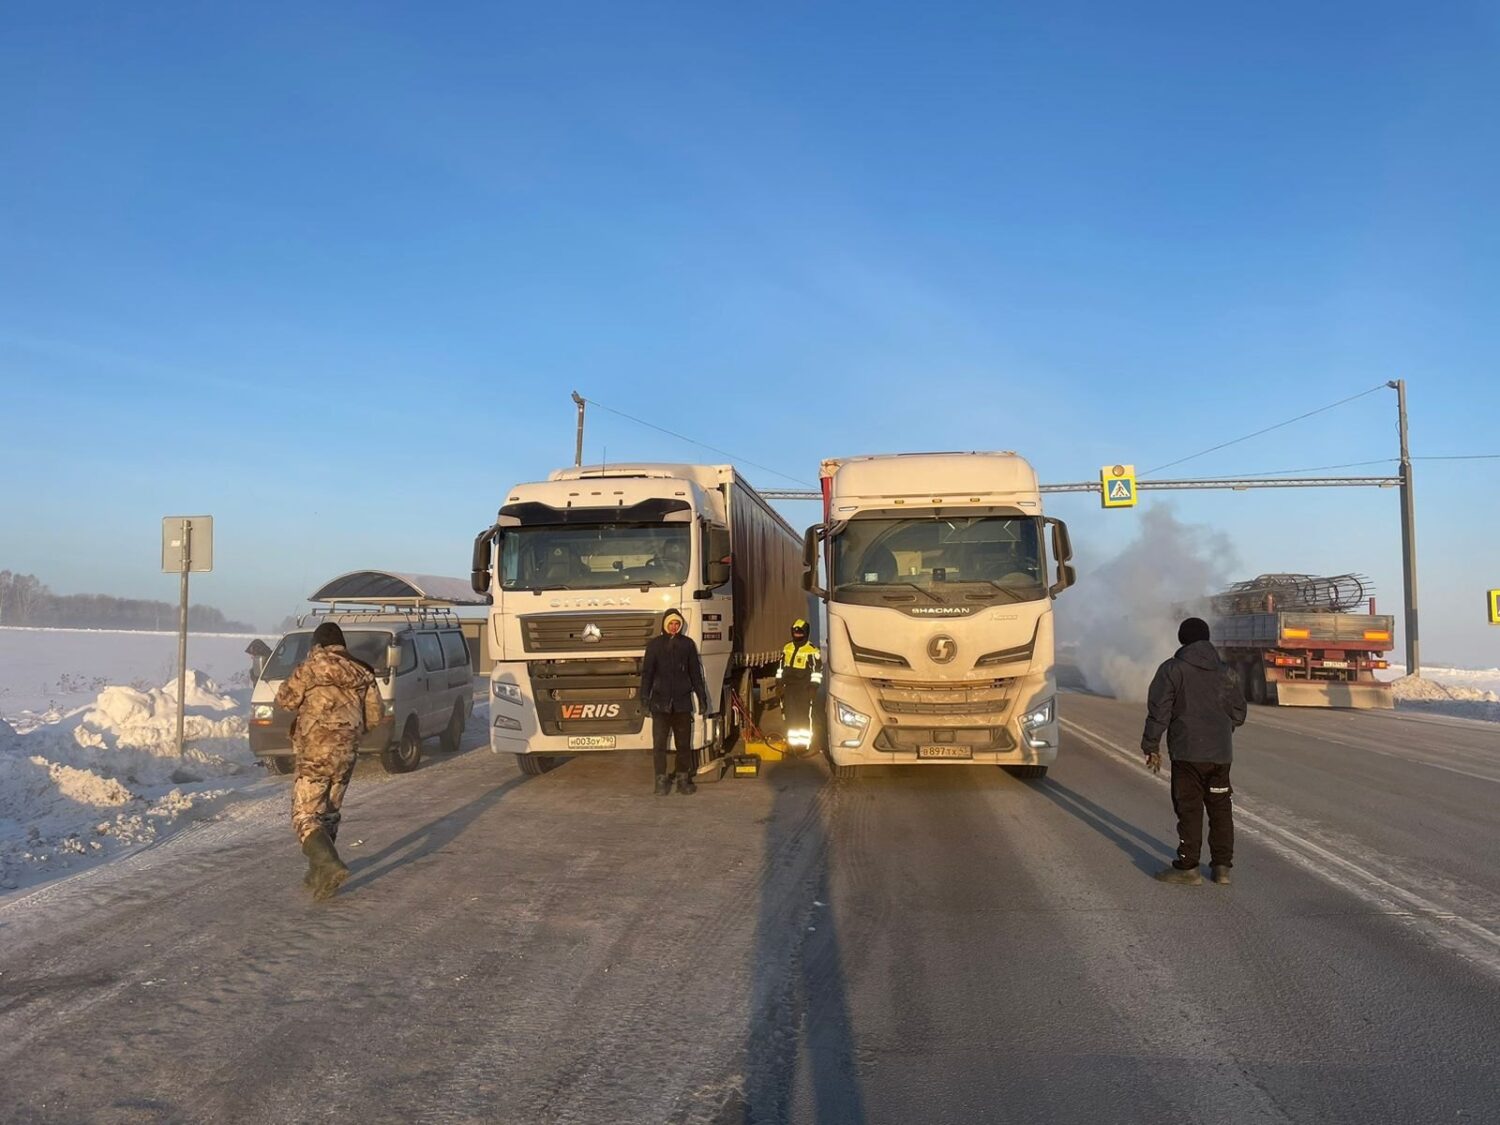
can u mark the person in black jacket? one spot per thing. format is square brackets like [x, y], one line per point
[1196, 700]
[671, 675]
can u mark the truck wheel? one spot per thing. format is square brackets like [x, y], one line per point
[280, 763]
[403, 756]
[842, 773]
[1246, 671]
[453, 734]
[533, 765]
[1026, 773]
[1258, 691]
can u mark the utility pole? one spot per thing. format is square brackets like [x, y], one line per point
[182, 630]
[1408, 536]
[578, 449]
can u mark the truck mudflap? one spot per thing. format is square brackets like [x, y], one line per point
[1315, 693]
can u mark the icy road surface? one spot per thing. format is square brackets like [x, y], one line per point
[939, 945]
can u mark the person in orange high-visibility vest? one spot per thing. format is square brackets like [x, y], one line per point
[800, 673]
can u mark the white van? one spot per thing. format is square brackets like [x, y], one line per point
[422, 667]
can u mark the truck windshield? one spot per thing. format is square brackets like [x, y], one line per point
[981, 558]
[363, 645]
[599, 557]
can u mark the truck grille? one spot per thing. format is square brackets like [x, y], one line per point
[574, 632]
[587, 696]
[984, 697]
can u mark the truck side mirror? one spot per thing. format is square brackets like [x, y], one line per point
[479, 567]
[810, 542]
[1062, 551]
[1065, 578]
[718, 571]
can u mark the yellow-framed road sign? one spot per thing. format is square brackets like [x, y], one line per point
[1495, 607]
[1117, 486]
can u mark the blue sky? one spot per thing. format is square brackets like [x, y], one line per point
[330, 272]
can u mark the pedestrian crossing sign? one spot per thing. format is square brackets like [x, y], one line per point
[1117, 486]
[1495, 607]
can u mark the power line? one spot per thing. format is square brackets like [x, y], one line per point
[690, 441]
[1268, 429]
[1460, 457]
[1307, 469]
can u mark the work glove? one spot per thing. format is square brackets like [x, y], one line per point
[1153, 761]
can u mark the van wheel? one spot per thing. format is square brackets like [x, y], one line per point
[1026, 773]
[453, 734]
[533, 765]
[280, 763]
[403, 756]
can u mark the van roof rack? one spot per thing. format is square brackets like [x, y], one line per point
[354, 614]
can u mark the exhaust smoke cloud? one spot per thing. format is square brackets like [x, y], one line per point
[1120, 621]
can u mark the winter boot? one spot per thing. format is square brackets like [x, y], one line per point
[1219, 873]
[1183, 878]
[663, 785]
[326, 872]
[685, 784]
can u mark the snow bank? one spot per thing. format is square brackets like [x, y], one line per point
[1457, 692]
[107, 777]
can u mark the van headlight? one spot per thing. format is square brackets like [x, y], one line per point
[261, 712]
[506, 692]
[1038, 716]
[388, 708]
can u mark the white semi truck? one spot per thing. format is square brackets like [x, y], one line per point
[582, 568]
[939, 606]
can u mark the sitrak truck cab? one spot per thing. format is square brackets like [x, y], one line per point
[582, 568]
[939, 604]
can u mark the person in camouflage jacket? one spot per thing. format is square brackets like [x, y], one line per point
[336, 700]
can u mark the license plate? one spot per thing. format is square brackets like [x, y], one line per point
[944, 752]
[591, 742]
[1335, 664]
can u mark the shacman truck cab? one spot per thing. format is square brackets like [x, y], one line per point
[404, 627]
[939, 602]
[582, 568]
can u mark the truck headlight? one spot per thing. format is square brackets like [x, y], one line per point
[506, 692]
[857, 721]
[1038, 716]
[1034, 720]
[261, 713]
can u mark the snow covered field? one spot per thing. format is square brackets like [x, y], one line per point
[88, 759]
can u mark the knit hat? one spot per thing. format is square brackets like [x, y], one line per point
[328, 634]
[1193, 629]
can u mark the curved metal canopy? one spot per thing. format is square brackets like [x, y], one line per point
[387, 587]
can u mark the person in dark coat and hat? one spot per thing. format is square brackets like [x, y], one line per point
[671, 676]
[1196, 701]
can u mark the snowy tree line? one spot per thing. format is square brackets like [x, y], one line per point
[26, 600]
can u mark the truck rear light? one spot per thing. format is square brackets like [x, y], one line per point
[1377, 635]
[1382, 664]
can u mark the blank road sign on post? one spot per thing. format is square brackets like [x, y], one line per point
[192, 536]
[1117, 486]
[1495, 607]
